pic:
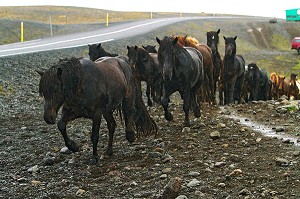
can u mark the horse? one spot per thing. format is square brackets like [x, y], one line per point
[258, 83]
[207, 65]
[84, 89]
[146, 68]
[283, 86]
[275, 85]
[150, 48]
[96, 51]
[293, 89]
[234, 72]
[182, 71]
[212, 38]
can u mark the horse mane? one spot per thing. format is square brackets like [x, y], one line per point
[187, 41]
[69, 72]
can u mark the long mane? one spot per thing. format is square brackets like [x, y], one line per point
[69, 72]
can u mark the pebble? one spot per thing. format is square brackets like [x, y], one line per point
[194, 182]
[80, 192]
[215, 135]
[33, 169]
[281, 162]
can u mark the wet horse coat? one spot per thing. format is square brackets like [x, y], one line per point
[84, 89]
[234, 72]
[182, 72]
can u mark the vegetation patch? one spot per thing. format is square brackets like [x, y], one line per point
[279, 42]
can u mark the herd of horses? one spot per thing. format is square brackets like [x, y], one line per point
[96, 87]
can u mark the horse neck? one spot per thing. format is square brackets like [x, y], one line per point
[229, 59]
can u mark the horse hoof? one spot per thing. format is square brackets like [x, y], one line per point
[94, 160]
[197, 113]
[169, 117]
[130, 136]
[187, 124]
[72, 146]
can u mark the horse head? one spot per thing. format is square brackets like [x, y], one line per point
[166, 55]
[94, 51]
[150, 49]
[50, 87]
[281, 82]
[213, 40]
[132, 53]
[230, 46]
[253, 71]
[293, 79]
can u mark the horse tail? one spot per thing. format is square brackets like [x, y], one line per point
[144, 123]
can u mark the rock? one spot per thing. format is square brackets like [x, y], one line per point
[193, 183]
[186, 130]
[181, 197]
[166, 170]
[33, 169]
[36, 182]
[194, 173]
[221, 125]
[282, 162]
[80, 192]
[172, 189]
[65, 150]
[221, 184]
[153, 155]
[49, 161]
[236, 172]
[219, 164]
[163, 176]
[296, 153]
[215, 135]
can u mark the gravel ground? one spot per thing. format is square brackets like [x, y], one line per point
[225, 153]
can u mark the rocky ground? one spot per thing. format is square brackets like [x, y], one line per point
[230, 152]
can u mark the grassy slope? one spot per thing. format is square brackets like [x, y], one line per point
[258, 40]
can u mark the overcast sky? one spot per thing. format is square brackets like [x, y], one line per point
[268, 8]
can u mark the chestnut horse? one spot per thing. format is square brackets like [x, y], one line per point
[182, 71]
[207, 64]
[213, 41]
[234, 72]
[275, 85]
[85, 89]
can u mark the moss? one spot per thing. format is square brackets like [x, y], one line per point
[279, 42]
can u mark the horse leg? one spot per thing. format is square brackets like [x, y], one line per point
[95, 135]
[165, 104]
[67, 115]
[186, 106]
[148, 93]
[194, 102]
[111, 125]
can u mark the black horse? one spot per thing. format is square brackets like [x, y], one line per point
[150, 48]
[213, 41]
[234, 72]
[96, 51]
[84, 89]
[146, 67]
[182, 72]
[259, 84]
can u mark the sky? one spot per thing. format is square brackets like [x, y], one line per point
[266, 8]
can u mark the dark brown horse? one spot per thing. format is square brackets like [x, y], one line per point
[150, 48]
[234, 72]
[293, 89]
[182, 72]
[146, 68]
[208, 66]
[85, 89]
[213, 42]
[96, 51]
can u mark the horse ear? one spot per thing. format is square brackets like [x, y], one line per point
[40, 72]
[135, 47]
[224, 37]
[218, 31]
[59, 72]
[99, 45]
[143, 46]
[235, 37]
[175, 40]
[128, 47]
[185, 37]
[158, 41]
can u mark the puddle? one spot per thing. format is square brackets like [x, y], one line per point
[263, 129]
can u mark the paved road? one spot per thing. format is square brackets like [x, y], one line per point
[110, 33]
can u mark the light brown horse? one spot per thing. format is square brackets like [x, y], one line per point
[275, 85]
[207, 64]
